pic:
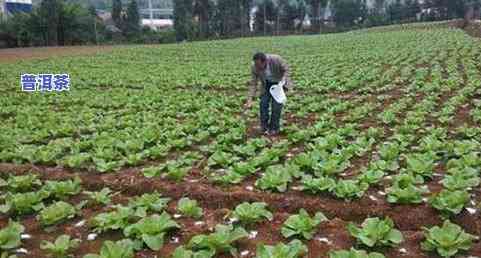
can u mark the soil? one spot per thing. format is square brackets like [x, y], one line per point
[10, 55]
[215, 201]
[473, 28]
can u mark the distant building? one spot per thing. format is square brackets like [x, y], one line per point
[2, 9]
[157, 24]
[156, 14]
[9, 7]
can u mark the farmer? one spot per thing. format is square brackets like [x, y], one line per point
[270, 70]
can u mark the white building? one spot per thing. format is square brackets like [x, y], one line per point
[157, 14]
[2, 8]
[371, 3]
[8, 7]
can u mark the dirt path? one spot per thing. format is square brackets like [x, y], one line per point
[474, 28]
[10, 55]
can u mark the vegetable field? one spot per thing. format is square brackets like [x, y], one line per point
[151, 153]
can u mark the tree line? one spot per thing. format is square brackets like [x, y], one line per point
[201, 19]
[68, 22]
[72, 22]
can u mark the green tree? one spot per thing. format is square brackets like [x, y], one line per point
[93, 14]
[379, 5]
[412, 8]
[183, 19]
[228, 17]
[203, 9]
[132, 23]
[19, 27]
[69, 23]
[448, 9]
[117, 12]
[76, 25]
[456, 8]
[245, 12]
[406, 11]
[265, 16]
[290, 12]
[377, 15]
[349, 12]
[315, 13]
[51, 11]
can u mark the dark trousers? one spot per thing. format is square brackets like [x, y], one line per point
[270, 121]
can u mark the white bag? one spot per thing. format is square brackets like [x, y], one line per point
[277, 92]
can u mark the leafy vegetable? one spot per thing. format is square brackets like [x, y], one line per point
[460, 179]
[229, 177]
[221, 241]
[24, 203]
[353, 253]
[152, 171]
[390, 153]
[177, 173]
[362, 145]
[409, 194]
[450, 202]
[77, 160]
[245, 150]
[244, 168]
[103, 165]
[10, 236]
[249, 213]
[465, 162]
[350, 189]
[222, 159]
[294, 249]
[148, 202]
[307, 161]
[151, 230]
[302, 224]
[119, 249]
[371, 176]
[56, 212]
[101, 197]
[189, 208]
[420, 164]
[332, 165]
[376, 232]
[292, 169]
[267, 157]
[63, 189]
[274, 179]
[22, 183]
[114, 220]
[387, 117]
[404, 191]
[62, 245]
[465, 147]
[318, 184]
[181, 252]
[447, 240]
